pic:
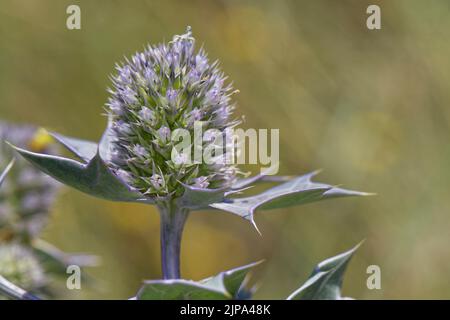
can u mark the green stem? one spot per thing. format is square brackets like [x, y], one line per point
[173, 219]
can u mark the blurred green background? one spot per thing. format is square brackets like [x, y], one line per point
[371, 108]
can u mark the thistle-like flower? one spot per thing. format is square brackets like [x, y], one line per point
[162, 89]
[27, 194]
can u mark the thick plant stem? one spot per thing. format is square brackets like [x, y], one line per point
[172, 225]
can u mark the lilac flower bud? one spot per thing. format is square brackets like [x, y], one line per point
[140, 151]
[194, 76]
[180, 159]
[171, 96]
[164, 134]
[147, 115]
[125, 74]
[129, 96]
[201, 182]
[157, 181]
[123, 128]
[201, 63]
[116, 106]
[124, 176]
[194, 115]
[213, 96]
[150, 76]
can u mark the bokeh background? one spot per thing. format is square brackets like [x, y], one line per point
[371, 108]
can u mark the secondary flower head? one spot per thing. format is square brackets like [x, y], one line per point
[27, 194]
[19, 265]
[162, 89]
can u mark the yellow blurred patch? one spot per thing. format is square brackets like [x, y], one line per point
[41, 140]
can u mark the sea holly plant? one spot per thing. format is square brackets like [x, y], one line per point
[156, 97]
[26, 198]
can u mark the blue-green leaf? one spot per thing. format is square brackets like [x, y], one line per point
[93, 178]
[325, 282]
[232, 280]
[179, 290]
[296, 191]
[199, 198]
[85, 150]
[225, 285]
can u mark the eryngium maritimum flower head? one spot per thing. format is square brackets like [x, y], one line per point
[26, 194]
[164, 88]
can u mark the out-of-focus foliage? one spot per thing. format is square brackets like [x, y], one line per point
[19, 265]
[26, 196]
[369, 107]
[26, 199]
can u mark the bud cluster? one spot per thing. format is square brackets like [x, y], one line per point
[162, 89]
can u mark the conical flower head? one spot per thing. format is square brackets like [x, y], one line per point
[160, 90]
[27, 194]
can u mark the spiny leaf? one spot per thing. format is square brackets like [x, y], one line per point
[296, 191]
[326, 280]
[199, 198]
[232, 280]
[225, 285]
[93, 178]
[178, 290]
[85, 150]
